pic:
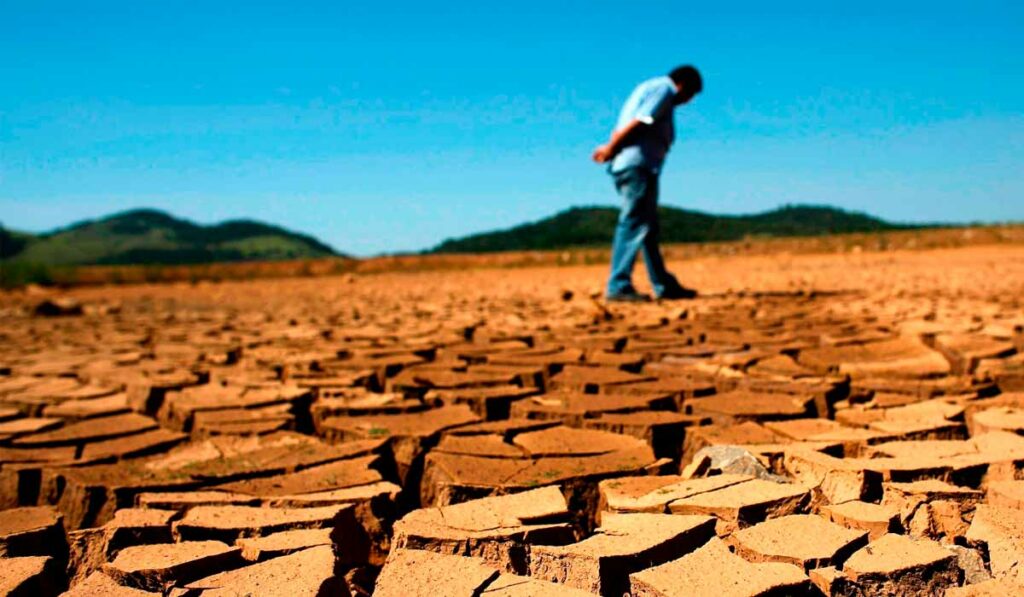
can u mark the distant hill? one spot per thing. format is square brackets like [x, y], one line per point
[594, 226]
[147, 236]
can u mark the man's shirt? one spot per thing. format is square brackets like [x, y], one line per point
[652, 103]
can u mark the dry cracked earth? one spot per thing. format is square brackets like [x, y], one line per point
[813, 425]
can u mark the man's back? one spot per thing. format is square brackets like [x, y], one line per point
[652, 103]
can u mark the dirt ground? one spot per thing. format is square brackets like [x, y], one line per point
[840, 424]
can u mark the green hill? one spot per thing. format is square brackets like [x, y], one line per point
[150, 237]
[594, 226]
[12, 242]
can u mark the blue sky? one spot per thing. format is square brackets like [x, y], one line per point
[385, 127]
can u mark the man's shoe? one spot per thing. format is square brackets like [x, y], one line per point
[678, 293]
[627, 297]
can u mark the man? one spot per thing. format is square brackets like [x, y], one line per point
[635, 153]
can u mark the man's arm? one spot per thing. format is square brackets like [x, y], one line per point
[606, 152]
[657, 103]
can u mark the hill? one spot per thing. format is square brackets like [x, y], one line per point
[146, 236]
[594, 226]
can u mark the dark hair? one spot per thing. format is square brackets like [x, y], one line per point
[688, 78]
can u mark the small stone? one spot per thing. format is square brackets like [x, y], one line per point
[733, 460]
[58, 307]
[972, 563]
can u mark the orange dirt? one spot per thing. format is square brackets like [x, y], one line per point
[841, 423]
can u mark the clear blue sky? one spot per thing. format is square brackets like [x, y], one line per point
[389, 126]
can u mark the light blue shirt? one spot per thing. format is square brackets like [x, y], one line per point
[652, 103]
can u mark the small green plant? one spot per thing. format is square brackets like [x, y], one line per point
[14, 274]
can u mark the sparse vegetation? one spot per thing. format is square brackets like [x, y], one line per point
[16, 272]
[149, 237]
[594, 226]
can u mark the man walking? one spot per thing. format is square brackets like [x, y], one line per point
[635, 153]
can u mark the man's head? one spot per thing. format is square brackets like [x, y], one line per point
[688, 83]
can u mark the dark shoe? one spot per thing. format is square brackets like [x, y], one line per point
[627, 297]
[677, 293]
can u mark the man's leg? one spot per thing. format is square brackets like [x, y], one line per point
[632, 185]
[661, 279]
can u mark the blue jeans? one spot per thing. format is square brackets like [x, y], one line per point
[637, 230]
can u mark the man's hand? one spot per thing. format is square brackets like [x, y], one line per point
[603, 153]
[606, 152]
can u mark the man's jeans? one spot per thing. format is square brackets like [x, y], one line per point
[637, 230]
